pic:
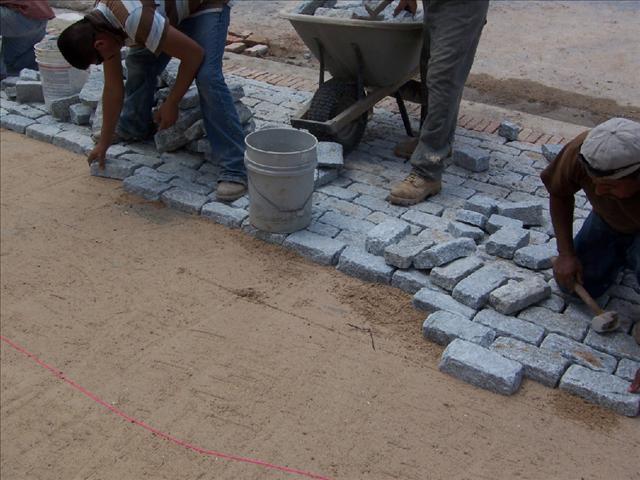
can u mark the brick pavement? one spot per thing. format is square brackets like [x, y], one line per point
[481, 244]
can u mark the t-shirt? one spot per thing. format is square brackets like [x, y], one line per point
[34, 9]
[147, 21]
[566, 175]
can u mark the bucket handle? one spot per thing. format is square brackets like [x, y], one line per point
[281, 210]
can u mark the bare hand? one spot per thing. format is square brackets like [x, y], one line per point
[410, 6]
[98, 153]
[166, 115]
[567, 270]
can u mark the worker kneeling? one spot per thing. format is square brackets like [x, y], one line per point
[605, 164]
[193, 31]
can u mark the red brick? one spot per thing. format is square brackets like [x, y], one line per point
[556, 139]
[493, 127]
[533, 137]
[543, 139]
[484, 123]
[524, 134]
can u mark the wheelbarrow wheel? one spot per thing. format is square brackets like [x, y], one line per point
[332, 98]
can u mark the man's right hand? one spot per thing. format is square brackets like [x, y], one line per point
[408, 5]
[99, 153]
[567, 270]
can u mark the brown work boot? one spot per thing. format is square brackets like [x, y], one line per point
[405, 148]
[413, 189]
[230, 191]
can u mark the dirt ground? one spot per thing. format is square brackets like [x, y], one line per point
[241, 347]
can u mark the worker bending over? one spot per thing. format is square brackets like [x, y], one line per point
[193, 31]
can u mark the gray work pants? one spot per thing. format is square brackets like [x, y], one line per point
[452, 30]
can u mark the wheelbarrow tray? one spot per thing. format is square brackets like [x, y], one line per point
[390, 50]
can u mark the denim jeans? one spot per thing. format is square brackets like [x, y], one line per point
[19, 35]
[452, 30]
[221, 121]
[603, 253]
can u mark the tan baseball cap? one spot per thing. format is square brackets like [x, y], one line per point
[612, 149]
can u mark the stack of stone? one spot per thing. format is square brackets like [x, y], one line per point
[349, 9]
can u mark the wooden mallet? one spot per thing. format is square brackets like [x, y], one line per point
[603, 321]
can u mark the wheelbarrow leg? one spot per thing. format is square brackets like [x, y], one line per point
[360, 79]
[321, 55]
[404, 114]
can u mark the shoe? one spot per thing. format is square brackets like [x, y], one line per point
[413, 189]
[405, 148]
[230, 191]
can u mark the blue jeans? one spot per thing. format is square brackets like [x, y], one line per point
[603, 253]
[221, 121]
[19, 35]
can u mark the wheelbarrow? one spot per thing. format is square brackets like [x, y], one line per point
[368, 61]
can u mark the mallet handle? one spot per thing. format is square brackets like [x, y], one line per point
[588, 299]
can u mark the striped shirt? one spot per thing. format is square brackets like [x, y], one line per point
[146, 21]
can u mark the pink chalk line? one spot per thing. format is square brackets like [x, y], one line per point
[235, 458]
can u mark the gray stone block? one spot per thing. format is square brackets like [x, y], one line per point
[29, 91]
[386, 233]
[462, 230]
[143, 160]
[471, 158]
[602, 389]
[178, 170]
[448, 276]
[144, 186]
[155, 175]
[529, 213]
[330, 154]
[191, 99]
[474, 290]
[481, 367]
[539, 365]
[627, 369]
[443, 253]
[619, 291]
[323, 229]
[510, 326]
[431, 300]
[91, 93]
[15, 123]
[618, 344]
[269, 237]
[411, 281]
[536, 257]
[224, 214]
[80, 114]
[482, 204]
[496, 222]
[338, 192]
[509, 130]
[324, 176]
[471, 217]
[170, 139]
[551, 150]
[75, 141]
[184, 200]
[195, 131]
[426, 220]
[365, 266]
[59, 107]
[555, 303]
[244, 113]
[44, 133]
[29, 75]
[555, 322]
[117, 168]
[344, 222]
[506, 241]
[24, 110]
[401, 254]
[444, 327]
[579, 353]
[516, 296]
[193, 187]
[315, 247]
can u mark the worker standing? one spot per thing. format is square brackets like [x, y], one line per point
[193, 31]
[452, 30]
[23, 23]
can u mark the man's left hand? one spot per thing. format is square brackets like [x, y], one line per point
[166, 115]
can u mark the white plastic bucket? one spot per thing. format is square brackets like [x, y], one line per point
[281, 165]
[59, 79]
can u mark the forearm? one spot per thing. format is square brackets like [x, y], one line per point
[561, 210]
[186, 73]
[112, 100]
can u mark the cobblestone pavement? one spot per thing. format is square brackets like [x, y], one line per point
[476, 256]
